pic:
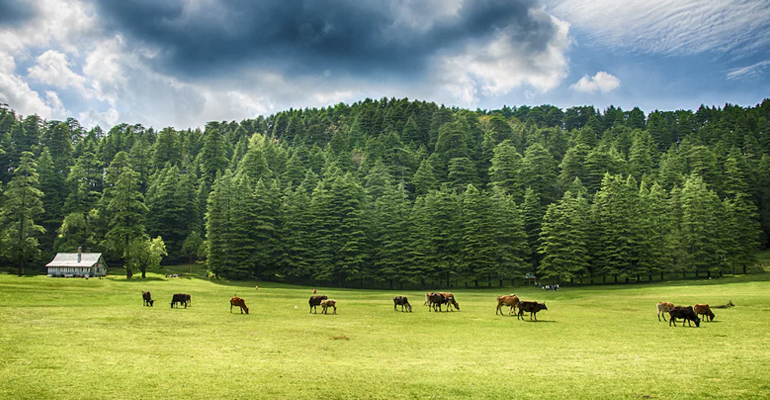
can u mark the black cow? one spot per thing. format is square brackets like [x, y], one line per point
[685, 313]
[435, 301]
[147, 299]
[315, 301]
[181, 298]
[532, 307]
[401, 301]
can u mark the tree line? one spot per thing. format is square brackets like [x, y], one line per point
[392, 192]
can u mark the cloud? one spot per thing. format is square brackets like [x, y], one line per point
[14, 12]
[15, 92]
[53, 69]
[185, 62]
[684, 27]
[305, 37]
[602, 82]
[750, 71]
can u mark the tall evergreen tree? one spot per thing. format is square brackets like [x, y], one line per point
[21, 205]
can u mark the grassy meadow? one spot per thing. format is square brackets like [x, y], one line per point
[76, 338]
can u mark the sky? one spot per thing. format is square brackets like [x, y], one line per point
[182, 63]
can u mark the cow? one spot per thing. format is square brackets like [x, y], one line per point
[181, 298]
[663, 308]
[325, 304]
[435, 301]
[685, 313]
[401, 301]
[237, 301]
[704, 309]
[315, 301]
[505, 300]
[147, 299]
[449, 298]
[532, 307]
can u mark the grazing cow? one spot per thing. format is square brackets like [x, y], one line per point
[449, 298]
[315, 301]
[532, 307]
[436, 300]
[325, 304]
[181, 298]
[663, 308]
[704, 309]
[401, 301]
[237, 301]
[147, 298]
[506, 300]
[685, 313]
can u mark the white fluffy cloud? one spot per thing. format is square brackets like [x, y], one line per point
[52, 68]
[601, 82]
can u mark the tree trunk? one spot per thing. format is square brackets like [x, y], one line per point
[476, 282]
[616, 279]
[21, 265]
[129, 273]
[744, 269]
[144, 272]
[501, 283]
[661, 275]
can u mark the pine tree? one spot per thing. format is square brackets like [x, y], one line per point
[478, 246]
[424, 179]
[296, 249]
[505, 169]
[389, 235]
[701, 227]
[538, 172]
[511, 248]
[218, 225]
[741, 230]
[563, 238]
[126, 223]
[265, 229]
[21, 205]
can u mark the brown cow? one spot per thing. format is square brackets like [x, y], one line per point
[315, 301]
[704, 309]
[506, 300]
[449, 298]
[237, 301]
[663, 308]
[325, 304]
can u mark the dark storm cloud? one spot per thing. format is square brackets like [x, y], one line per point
[14, 12]
[298, 36]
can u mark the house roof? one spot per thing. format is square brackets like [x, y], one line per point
[71, 260]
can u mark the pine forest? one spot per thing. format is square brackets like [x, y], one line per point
[393, 193]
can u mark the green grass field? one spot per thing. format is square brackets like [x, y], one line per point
[72, 338]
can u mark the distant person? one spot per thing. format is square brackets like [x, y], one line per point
[314, 291]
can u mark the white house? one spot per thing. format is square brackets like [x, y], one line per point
[77, 264]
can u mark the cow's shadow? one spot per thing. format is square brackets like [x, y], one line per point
[545, 321]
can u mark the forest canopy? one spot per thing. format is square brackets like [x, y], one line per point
[392, 192]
